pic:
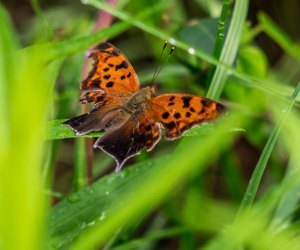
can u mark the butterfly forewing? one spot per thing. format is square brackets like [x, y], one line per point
[111, 74]
[179, 112]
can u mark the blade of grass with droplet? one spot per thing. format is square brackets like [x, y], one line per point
[230, 49]
[220, 34]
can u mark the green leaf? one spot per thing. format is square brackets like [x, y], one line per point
[253, 61]
[55, 130]
[201, 35]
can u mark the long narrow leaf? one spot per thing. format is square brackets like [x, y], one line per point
[263, 160]
[230, 48]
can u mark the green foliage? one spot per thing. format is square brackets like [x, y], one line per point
[229, 185]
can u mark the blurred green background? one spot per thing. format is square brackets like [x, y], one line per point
[233, 184]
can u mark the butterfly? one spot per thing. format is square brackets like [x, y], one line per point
[130, 116]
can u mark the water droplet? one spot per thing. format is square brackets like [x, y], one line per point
[102, 216]
[83, 225]
[229, 72]
[122, 174]
[90, 190]
[172, 41]
[91, 223]
[84, 1]
[192, 51]
[73, 198]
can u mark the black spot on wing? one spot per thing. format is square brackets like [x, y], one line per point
[172, 98]
[129, 75]
[170, 125]
[202, 110]
[105, 59]
[106, 76]
[220, 108]
[115, 53]
[122, 65]
[103, 46]
[110, 84]
[100, 98]
[123, 77]
[186, 101]
[106, 69]
[148, 127]
[177, 115]
[165, 115]
[95, 83]
[111, 65]
[206, 102]
[187, 114]
[171, 103]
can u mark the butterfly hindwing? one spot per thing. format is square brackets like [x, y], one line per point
[126, 141]
[179, 112]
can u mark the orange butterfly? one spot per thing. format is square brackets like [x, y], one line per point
[132, 116]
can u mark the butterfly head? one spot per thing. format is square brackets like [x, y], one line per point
[149, 91]
[153, 88]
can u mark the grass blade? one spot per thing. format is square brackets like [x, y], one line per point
[230, 49]
[22, 201]
[279, 36]
[219, 36]
[263, 160]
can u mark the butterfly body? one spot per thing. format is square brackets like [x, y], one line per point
[139, 101]
[131, 117]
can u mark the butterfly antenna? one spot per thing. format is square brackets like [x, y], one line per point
[166, 61]
[158, 62]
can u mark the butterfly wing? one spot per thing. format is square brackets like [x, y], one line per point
[179, 112]
[111, 75]
[126, 141]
